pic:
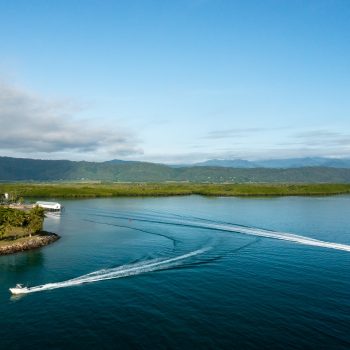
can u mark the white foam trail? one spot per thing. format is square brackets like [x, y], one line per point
[118, 272]
[278, 235]
[201, 223]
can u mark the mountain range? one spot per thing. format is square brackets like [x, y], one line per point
[279, 163]
[23, 169]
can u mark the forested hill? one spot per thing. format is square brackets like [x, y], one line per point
[19, 169]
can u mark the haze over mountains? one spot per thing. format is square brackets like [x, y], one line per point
[279, 163]
[22, 169]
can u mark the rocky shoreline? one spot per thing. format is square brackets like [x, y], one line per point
[39, 240]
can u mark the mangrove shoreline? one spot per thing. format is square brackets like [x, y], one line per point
[96, 190]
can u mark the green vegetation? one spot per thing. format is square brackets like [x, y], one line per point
[15, 169]
[16, 223]
[92, 190]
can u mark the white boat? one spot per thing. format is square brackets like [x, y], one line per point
[19, 289]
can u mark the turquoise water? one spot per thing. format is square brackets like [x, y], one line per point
[185, 272]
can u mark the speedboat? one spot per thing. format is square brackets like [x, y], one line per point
[19, 289]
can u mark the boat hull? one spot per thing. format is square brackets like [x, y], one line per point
[18, 290]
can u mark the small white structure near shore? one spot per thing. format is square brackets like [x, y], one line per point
[4, 197]
[50, 206]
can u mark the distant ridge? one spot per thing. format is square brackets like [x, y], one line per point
[279, 163]
[236, 163]
[23, 169]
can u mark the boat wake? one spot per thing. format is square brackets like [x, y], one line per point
[228, 227]
[113, 273]
[178, 261]
[284, 237]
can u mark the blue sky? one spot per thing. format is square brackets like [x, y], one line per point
[174, 81]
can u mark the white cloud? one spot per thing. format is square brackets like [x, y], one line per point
[29, 124]
[232, 133]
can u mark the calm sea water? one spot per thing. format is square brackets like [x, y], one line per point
[185, 273]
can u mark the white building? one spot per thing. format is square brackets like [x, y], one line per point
[52, 206]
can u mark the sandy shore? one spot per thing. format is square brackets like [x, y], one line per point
[42, 239]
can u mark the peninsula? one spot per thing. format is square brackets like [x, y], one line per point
[22, 229]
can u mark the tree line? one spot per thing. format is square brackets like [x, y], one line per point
[15, 223]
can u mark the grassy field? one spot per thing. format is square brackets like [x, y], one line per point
[92, 190]
[5, 243]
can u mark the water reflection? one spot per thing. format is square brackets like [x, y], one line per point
[22, 261]
[53, 215]
[16, 297]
